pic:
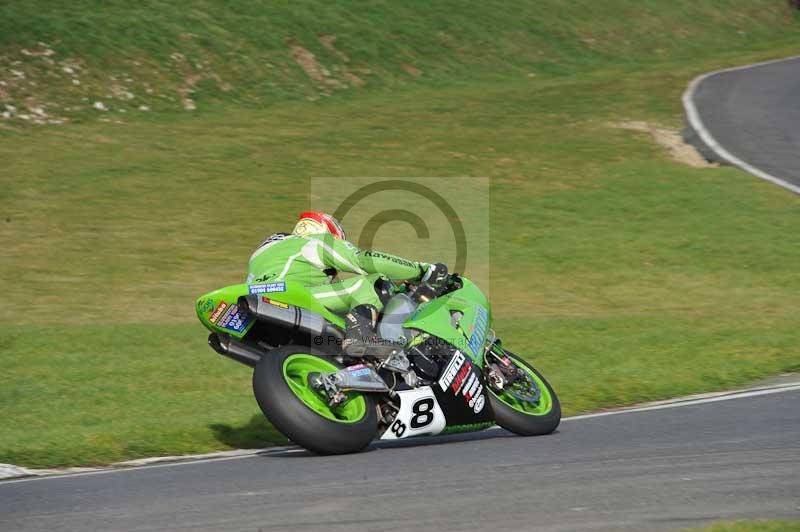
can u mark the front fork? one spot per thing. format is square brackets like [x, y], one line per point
[500, 370]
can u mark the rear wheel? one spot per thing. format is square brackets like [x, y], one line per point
[529, 407]
[282, 388]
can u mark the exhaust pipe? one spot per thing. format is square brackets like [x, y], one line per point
[295, 318]
[227, 346]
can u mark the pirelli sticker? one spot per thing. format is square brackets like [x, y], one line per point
[450, 372]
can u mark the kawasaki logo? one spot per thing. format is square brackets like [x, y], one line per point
[386, 256]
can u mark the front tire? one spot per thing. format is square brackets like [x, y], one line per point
[527, 419]
[282, 390]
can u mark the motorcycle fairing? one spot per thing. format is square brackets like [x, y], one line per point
[419, 415]
[461, 392]
[219, 311]
[457, 399]
[468, 333]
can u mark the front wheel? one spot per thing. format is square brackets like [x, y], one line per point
[283, 390]
[530, 407]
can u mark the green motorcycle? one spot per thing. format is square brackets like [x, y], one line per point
[436, 368]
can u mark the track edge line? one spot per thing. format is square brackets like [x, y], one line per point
[697, 125]
[170, 461]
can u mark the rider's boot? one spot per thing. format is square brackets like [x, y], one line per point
[360, 333]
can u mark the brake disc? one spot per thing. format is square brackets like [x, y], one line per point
[524, 389]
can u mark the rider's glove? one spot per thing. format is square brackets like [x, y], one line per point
[436, 275]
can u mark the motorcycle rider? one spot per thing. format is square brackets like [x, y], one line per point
[313, 254]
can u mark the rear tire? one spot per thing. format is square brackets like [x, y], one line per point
[527, 424]
[277, 384]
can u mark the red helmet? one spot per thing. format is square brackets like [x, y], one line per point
[313, 223]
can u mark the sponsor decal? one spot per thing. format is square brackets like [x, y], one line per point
[264, 278]
[275, 303]
[234, 320]
[450, 372]
[461, 377]
[218, 312]
[470, 384]
[479, 333]
[359, 370]
[479, 402]
[268, 288]
[467, 384]
[205, 306]
[473, 394]
[386, 256]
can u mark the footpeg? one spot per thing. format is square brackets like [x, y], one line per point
[358, 378]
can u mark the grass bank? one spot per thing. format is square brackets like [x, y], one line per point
[91, 59]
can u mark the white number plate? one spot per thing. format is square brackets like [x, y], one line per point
[420, 415]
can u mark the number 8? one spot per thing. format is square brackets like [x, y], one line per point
[423, 413]
[399, 428]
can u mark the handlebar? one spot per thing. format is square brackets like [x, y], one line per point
[425, 292]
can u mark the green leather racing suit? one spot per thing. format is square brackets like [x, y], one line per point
[315, 260]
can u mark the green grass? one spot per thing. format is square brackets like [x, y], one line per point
[110, 392]
[245, 52]
[751, 526]
[624, 275]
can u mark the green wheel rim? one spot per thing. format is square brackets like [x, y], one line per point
[296, 369]
[541, 407]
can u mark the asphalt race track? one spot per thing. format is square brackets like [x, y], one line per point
[661, 469]
[754, 114]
